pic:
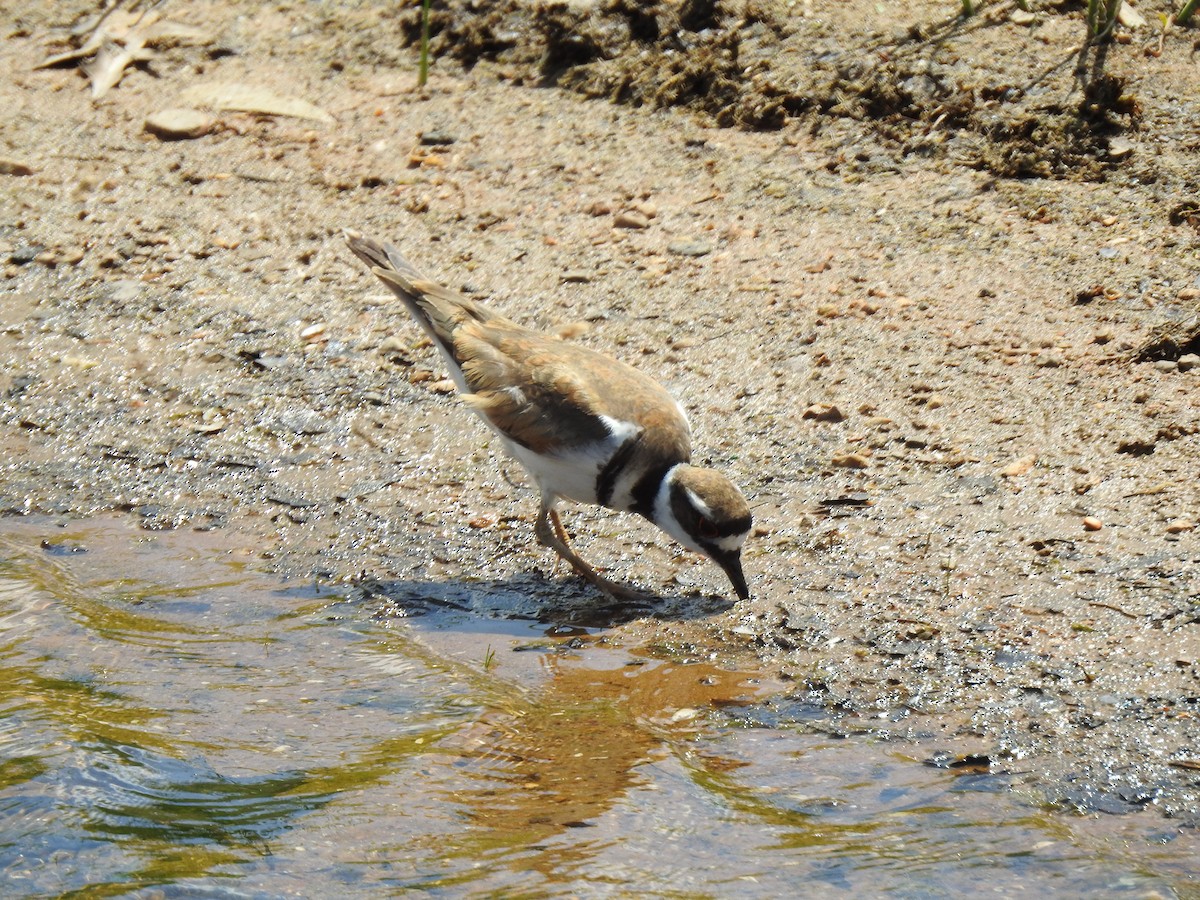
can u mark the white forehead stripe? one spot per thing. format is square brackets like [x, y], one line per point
[698, 504]
[730, 542]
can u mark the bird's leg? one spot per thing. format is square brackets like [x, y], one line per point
[559, 530]
[550, 533]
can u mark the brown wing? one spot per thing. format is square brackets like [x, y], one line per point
[530, 386]
[535, 388]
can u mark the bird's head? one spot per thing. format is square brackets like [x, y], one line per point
[704, 511]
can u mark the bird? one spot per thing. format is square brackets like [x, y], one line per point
[586, 427]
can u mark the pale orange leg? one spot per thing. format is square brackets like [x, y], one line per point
[550, 533]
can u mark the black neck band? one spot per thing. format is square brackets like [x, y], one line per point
[646, 490]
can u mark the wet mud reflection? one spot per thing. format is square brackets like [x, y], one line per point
[172, 722]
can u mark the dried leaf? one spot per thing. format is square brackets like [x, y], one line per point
[110, 63]
[250, 98]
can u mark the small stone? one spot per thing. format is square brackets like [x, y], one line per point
[26, 254]
[125, 290]
[313, 333]
[1166, 365]
[630, 218]
[823, 412]
[850, 461]
[572, 330]
[599, 208]
[437, 137]
[1188, 361]
[1091, 523]
[1022, 17]
[689, 248]
[1120, 148]
[1019, 466]
[646, 208]
[299, 420]
[935, 401]
[179, 124]
[445, 386]
[10, 166]
[1179, 526]
[392, 344]
[1130, 17]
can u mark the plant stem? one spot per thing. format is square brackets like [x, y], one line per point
[1101, 17]
[1185, 13]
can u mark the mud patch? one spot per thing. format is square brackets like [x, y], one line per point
[759, 66]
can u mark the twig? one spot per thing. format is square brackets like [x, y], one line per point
[1115, 609]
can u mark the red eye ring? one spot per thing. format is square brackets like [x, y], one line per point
[706, 529]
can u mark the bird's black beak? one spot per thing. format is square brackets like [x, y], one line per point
[732, 564]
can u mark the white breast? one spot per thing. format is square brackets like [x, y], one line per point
[572, 475]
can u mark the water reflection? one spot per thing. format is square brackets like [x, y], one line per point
[573, 752]
[202, 729]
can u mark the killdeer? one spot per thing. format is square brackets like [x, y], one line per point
[586, 427]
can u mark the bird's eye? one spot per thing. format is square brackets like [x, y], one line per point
[706, 529]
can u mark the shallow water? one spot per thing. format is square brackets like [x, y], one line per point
[176, 723]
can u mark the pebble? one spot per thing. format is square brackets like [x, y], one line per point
[26, 254]
[823, 412]
[1188, 361]
[690, 248]
[1019, 466]
[1022, 17]
[179, 124]
[125, 290]
[1091, 523]
[630, 218]
[437, 137]
[10, 166]
[313, 333]
[298, 420]
[572, 330]
[1179, 526]
[1166, 365]
[850, 461]
[646, 208]
[392, 344]
[1119, 148]
[445, 386]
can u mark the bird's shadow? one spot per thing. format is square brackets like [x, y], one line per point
[565, 602]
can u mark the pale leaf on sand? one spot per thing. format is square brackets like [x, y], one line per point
[250, 98]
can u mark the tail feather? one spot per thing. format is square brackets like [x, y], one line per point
[402, 273]
[401, 276]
